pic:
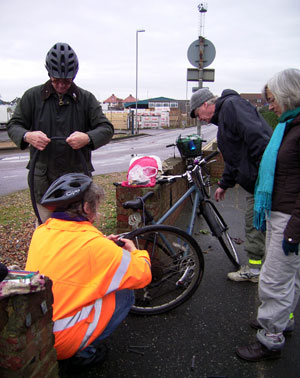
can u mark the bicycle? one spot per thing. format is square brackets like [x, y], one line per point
[177, 259]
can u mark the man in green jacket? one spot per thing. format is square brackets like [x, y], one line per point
[59, 108]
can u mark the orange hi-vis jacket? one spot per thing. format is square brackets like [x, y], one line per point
[86, 270]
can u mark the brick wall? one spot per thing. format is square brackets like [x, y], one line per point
[164, 195]
[26, 336]
[217, 167]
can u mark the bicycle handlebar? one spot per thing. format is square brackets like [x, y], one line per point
[203, 161]
[208, 158]
[175, 145]
[165, 179]
[137, 203]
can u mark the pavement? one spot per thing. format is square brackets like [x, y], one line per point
[199, 338]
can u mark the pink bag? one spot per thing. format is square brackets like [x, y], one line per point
[142, 172]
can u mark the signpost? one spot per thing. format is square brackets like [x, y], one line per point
[201, 53]
[208, 56]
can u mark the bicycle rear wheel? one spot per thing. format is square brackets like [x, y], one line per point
[177, 266]
[219, 229]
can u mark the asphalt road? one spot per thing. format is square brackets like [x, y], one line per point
[113, 157]
[205, 330]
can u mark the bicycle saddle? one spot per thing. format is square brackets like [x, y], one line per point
[138, 202]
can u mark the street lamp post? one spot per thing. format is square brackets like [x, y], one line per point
[136, 79]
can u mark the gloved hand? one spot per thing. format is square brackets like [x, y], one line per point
[290, 247]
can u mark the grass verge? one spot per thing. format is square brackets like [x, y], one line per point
[17, 219]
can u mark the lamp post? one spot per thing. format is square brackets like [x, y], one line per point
[136, 78]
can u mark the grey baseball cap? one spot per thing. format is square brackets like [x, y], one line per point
[199, 98]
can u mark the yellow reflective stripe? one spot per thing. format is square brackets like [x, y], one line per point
[255, 262]
[291, 315]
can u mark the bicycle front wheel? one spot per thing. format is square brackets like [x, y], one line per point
[219, 229]
[177, 266]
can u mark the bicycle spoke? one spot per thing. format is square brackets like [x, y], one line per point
[177, 268]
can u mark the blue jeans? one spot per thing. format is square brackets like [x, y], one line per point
[124, 302]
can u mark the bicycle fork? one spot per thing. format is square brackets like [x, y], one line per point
[210, 219]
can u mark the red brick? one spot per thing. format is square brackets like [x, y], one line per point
[48, 366]
[11, 362]
[26, 347]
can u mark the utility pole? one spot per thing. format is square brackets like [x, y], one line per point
[136, 77]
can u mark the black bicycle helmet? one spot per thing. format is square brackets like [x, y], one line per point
[62, 62]
[65, 190]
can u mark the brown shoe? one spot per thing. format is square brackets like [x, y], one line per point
[257, 352]
[254, 324]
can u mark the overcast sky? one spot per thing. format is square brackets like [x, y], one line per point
[253, 39]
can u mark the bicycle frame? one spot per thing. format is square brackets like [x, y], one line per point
[165, 243]
[200, 202]
[197, 199]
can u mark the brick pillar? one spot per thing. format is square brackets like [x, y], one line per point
[216, 168]
[26, 336]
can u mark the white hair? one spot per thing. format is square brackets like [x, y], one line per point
[212, 101]
[285, 87]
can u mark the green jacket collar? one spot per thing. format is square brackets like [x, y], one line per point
[48, 90]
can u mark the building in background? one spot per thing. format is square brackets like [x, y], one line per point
[114, 103]
[157, 112]
[256, 99]
[6, 111]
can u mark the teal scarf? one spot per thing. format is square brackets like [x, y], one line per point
[265, 180]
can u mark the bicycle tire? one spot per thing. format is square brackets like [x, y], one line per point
[219, 229]
[177, 266]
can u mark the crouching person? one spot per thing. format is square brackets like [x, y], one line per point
[92, 277]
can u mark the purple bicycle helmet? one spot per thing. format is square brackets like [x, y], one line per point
[62, 62]
[65, 190]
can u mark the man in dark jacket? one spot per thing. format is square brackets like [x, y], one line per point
[242, 137]
[59, 108]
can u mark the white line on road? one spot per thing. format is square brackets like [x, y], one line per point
[18, 158]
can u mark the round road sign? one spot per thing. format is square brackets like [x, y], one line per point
[194, 52]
